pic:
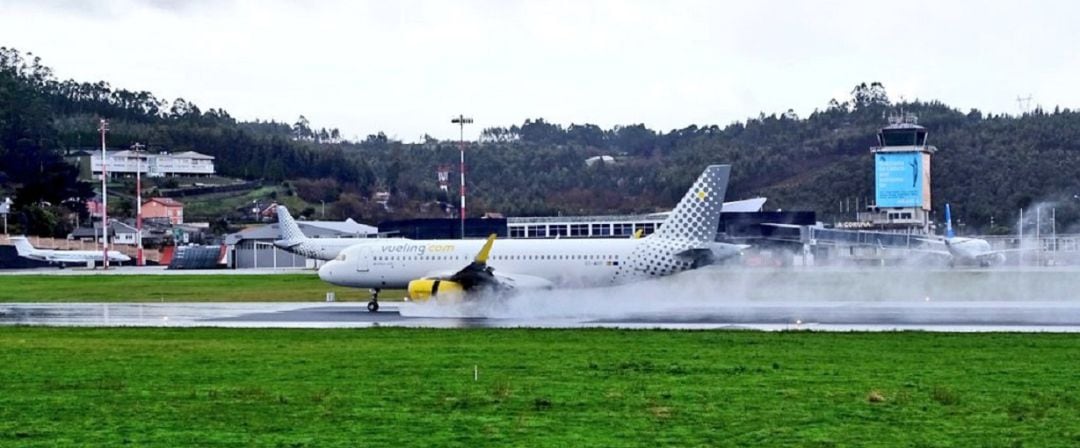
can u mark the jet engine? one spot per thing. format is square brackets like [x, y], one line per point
[426, 289]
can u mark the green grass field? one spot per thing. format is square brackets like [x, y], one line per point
[409, 387]
[175, 288]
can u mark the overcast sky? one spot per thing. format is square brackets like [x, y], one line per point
[407, 67]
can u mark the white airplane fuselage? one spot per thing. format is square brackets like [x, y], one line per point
[320, 248]
[76, 256]
[972, 251]
[26, 250]
[562, 262]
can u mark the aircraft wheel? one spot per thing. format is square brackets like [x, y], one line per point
[373, 306]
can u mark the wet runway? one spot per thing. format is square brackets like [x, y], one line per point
[1046, 316]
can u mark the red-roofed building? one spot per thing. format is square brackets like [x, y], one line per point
[164, 208]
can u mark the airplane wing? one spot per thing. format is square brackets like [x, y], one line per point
[522, 281]
[477, 276]
[941, 253]
[715, 252]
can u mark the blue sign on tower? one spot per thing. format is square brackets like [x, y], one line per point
[898, 179]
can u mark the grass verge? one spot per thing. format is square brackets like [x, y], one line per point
[176, 288]
[416, 387]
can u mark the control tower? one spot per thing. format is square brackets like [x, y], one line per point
[901, 178]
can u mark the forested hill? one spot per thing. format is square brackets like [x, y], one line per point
[987, 165]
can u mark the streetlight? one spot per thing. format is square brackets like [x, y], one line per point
[461, 121]
[103, 127]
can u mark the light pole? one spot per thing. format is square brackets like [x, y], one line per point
[322, 213]
[103, 127]
[137, 147]
[461, 121]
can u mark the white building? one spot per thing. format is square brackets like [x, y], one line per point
[125, 163]
[607, 226]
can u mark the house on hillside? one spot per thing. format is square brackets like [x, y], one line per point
[93, 205]
[167, 208]
[119, 233]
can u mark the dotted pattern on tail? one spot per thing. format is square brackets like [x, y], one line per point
[690, 225]
[290, 231]
[697, 215]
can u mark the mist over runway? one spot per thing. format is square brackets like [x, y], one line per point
[713, 298]
[842, 299]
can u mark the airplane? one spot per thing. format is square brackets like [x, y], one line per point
[433, 268]
[64, 257]
[966, 251]
[293, 239]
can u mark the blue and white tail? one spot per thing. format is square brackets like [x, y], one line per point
[290, 231]
[697, 215]
[948, 223]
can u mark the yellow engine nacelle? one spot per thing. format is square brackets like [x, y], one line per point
[425, 289]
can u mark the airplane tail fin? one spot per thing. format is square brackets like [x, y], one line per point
[22, 245]
[948, 223]
[697, 215]
[290, 231]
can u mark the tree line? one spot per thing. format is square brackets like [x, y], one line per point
[987, 165]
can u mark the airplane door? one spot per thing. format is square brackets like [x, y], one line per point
[363, 264]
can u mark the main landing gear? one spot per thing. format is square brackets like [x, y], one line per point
[373, 305]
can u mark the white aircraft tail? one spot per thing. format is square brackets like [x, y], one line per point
[686, 238]
[22, 246]
[290, 231]
[697, 215]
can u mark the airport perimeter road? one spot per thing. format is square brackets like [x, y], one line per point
[965, 316]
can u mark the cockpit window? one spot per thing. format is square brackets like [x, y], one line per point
[341, 257]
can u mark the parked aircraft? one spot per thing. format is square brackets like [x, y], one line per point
[966, 251]
[685, 240]
[293, 239]
[64, 257]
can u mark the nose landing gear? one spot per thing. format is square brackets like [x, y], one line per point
[373, 305]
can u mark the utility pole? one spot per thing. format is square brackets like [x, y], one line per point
[461, 121]
[137, 147]
[103, 127]
[1023, 103]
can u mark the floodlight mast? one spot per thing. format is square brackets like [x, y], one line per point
[103, 127]
[461, 121]
[137, 147]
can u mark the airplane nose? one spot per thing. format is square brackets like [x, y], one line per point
[326, 272]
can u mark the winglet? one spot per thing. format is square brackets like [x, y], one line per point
[638, 233]
[483, 255]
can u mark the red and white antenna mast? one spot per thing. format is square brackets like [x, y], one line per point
[137, 147]
[461, 121]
